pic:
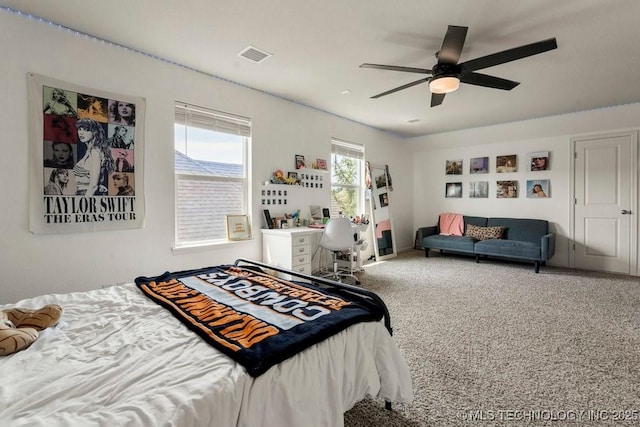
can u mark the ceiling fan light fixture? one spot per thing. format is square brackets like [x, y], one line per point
[444, 84]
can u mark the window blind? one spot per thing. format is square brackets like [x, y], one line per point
[190, 115]
[348, 149]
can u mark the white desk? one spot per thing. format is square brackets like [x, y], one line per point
[291, 248]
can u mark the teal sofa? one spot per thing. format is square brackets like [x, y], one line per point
[527, 240]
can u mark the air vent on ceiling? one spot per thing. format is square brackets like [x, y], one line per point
[254, 54]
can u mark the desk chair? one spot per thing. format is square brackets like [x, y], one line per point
[338, 237]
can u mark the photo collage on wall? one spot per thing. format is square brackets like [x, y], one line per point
[505, 188]
[88, 144]
[274, 197]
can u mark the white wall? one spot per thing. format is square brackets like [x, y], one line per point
[551, 134]
[37, 264]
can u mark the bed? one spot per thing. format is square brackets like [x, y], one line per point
[118, 357]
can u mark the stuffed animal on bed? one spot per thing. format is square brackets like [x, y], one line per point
[20, 327]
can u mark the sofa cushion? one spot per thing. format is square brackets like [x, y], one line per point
[508, 248]
[484, 233]
[450, 243]
[524, 230]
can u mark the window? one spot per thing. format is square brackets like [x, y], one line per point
[211, 152]
[347, 169]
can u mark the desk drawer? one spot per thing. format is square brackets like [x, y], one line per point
[300, 260]
[300, 240]
[300, 250]
[302, 268]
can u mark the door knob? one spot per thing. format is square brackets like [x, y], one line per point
[625, 212]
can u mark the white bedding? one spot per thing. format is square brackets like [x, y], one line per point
[118, 359]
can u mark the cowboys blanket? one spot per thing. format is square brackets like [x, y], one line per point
[256, 319]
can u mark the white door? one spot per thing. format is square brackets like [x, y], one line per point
[603, 197]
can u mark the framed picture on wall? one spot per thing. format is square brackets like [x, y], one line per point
[300, 161]
[479, 189]
[322, 164]
[539, 161]
[479, 165]
[506, 163]
[538, 188]
[507, 189]
[453, 167]
[453, 190]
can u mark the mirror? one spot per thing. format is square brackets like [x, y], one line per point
[316, 214]
[380, 207]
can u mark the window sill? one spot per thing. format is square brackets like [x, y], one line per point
[206, 246]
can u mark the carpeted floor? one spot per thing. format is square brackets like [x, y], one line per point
[493, 344]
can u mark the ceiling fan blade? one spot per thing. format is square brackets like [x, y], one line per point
[452, 45]
[417, 82]
[479, 79]
[436, 99]
[510, 55]
[397, 68]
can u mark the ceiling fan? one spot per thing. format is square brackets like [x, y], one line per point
[447, 74]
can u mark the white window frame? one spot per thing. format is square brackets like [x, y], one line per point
[355, 151]
[202, 117]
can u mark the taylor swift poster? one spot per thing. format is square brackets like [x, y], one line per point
[86, 158]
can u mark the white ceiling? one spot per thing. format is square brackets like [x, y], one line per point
[318, 45]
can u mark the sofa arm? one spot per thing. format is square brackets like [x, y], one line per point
[424, 232]
[548, 246]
